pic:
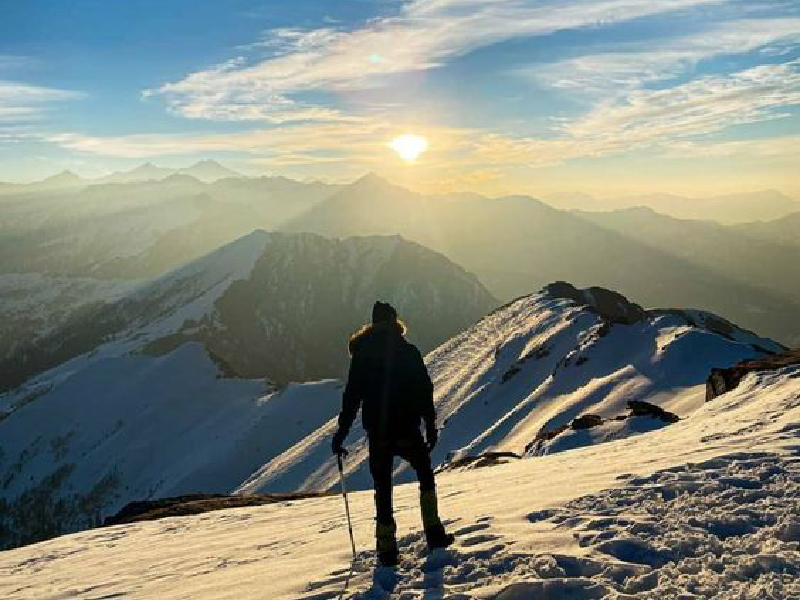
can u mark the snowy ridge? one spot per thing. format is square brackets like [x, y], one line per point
[704, 509]
[33, 306]
[125, 399]
[132, 427]
[537, 364]
[189, 293]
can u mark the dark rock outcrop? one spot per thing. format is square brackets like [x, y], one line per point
[611, 306]
[194, 504]
[640, 408]
[721, 381]
[486, 459]
[586, 421]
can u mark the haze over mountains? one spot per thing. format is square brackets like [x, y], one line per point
[168, 331]
[517, 243]
[728, 209]
[513, 244]
[207, 171]
[272, 305]
[144, 228]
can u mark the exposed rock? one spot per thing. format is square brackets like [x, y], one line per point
[193, 504]
[706, 320]
[640, 408]
[724, 380]
[612, 306]
[586, 421]
[544, 435]
[487, 459]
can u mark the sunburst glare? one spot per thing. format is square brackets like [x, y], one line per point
[409, 146]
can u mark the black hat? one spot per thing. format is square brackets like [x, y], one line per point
[383, 312]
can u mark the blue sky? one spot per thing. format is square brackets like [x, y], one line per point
[606, 96]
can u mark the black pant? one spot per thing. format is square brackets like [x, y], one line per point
[381, 462]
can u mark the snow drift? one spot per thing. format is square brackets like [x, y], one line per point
[703, 509]
[535, 365]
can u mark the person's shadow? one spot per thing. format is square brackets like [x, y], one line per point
[384, 579]
[434, 578]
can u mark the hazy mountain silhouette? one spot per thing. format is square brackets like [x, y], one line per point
[516, 243]
[728, 208]
[766, 261]
[142, 228]
[272, 305]
[204, 170]
[785, 230]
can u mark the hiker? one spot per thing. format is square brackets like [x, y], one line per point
[387, 375]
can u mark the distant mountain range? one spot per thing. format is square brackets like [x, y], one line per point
[141, 229]
[728, 209]
[207, 171]
[785, 230]
[756, 254]
[513, 244]
[516, 243]
[272, 305]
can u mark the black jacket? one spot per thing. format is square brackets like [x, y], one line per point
[388, 376]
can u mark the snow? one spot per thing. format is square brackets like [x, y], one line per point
[138, 427]
[44, 303]
[706, 508]
[535, 365]
[191, 291]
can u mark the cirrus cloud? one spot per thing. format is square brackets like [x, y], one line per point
[424, 35]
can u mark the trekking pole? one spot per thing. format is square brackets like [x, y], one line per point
[346, 504]
[349, 526]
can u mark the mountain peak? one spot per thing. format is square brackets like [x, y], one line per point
[64, 175]
[209, 170]
[180, 178]
[371, 179]
[64, 178]
[207, 162]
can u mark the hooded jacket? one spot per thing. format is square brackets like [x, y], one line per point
[389, 378]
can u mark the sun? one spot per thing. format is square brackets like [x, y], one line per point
[409, 146]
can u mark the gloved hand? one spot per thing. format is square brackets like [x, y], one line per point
[337, 444]
[431, 437]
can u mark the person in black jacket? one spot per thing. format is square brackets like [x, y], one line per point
[389, 380]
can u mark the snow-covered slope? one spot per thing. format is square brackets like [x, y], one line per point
[535, 365]
[158, 393]
[32, 306]
[273, 305]
[137, 427]
[703, 509]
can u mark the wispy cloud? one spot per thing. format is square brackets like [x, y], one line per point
[21, 102]
[786, 148]
[424, 35]
[701, 106]
[309, 142]
[642, 118]
[622, 66]
[663, 119]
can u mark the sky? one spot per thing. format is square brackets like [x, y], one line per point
[609, 97]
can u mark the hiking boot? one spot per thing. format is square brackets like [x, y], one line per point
[390, 558]
[386, 544]
[434, 530]
[438, 538]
